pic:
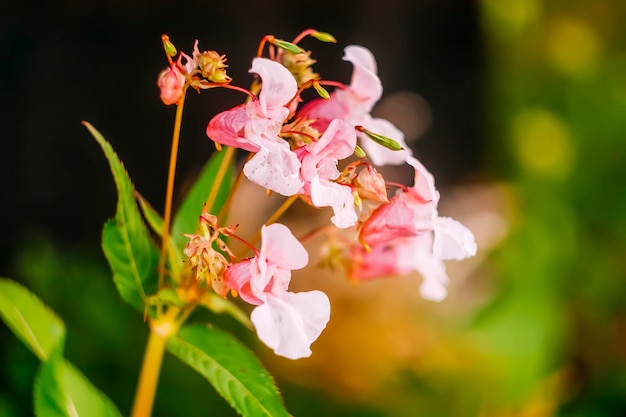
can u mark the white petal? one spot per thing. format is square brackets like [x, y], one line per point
[339, 197]
[278, 87]
[275, 167]
[290, 323]
[280, 246]
[452, 240]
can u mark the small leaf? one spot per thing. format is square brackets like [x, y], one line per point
[217, 304]
[126, 242]
[62, 391]
[324, 37]
[231, 368]
[287, 46]
[380, 139]
[30, 320]
[321, 90]
[186, 218]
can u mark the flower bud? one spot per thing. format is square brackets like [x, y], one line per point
[171, 82]
[212, 67]
[371, 185]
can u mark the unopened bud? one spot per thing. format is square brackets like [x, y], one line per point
[171, 82]
[287, 46]
[371, 185]
[321, 90]
[380, 139]
[324, 37]
[169, 47]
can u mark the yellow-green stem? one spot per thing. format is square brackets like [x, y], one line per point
[231, 195]
[219, 177]
[167, 215]
[279, 212]
[161, 329]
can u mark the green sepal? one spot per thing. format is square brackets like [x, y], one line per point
[126, 242]
[62, 391]
[232, 369]
[380, 139]
[287, 46]
[30, 319]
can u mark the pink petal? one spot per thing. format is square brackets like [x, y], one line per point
[290, 323]
[238, 277]
[227, 128]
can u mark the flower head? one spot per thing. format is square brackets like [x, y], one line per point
[354, 105]
[286, 322]
[255, 127]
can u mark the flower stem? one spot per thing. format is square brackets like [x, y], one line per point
[219, 177]
[167, 215]
[161, 329]
[279, 212]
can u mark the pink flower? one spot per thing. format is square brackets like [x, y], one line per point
[408, 235]
[255, 127]
[319, 170]
[354, 105]
[286, 322]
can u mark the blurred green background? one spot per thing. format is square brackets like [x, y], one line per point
[523, 106]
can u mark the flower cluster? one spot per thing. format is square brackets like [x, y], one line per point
[310, 151]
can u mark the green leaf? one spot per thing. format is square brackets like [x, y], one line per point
[30, 320]
[126, 242]
[231, 368]
[62, 391]
[186, 218]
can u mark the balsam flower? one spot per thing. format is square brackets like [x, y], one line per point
[354, 104]
[255, 127]
[286, 322]
[319, 172]
[408, 235]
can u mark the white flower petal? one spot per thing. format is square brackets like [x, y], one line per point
[275, 167]
[452, 240]
[289, 323]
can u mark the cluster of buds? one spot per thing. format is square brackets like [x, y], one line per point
[200, 71]
[296, 150]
